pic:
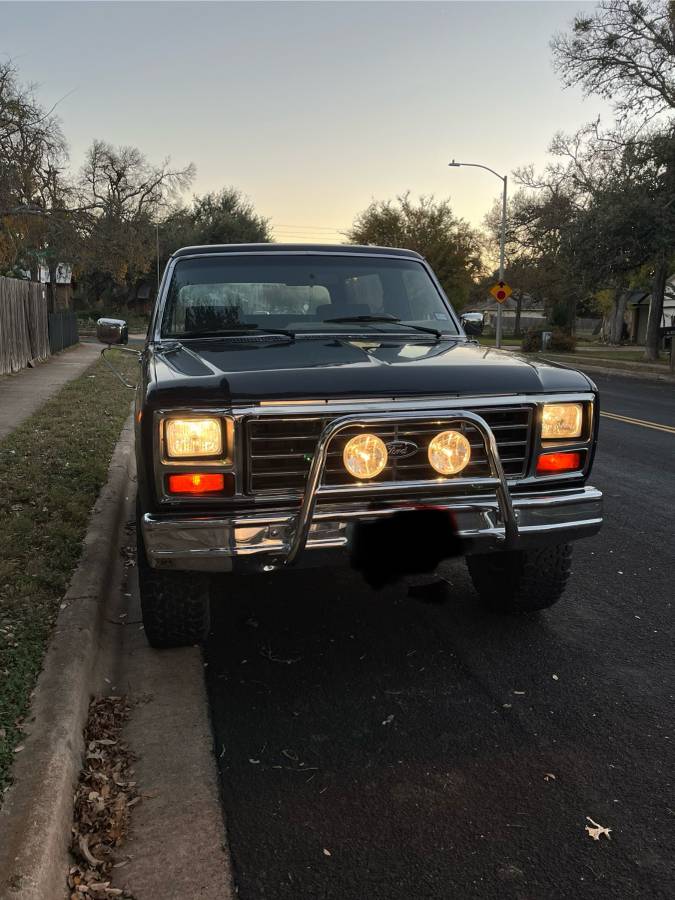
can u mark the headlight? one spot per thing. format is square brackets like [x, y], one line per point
[365, 456]
[190, 438]
[562, 420]
[449, 452]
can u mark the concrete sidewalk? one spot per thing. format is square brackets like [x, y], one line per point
[23, 393]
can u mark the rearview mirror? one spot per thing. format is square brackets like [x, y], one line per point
[112, 331]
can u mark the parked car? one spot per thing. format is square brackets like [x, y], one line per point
[292, 396]
[472, 322]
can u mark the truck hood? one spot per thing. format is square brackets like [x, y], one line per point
[224, 372]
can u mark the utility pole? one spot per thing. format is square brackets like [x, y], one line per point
[502, 236]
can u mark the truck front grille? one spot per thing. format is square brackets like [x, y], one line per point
[280, 450]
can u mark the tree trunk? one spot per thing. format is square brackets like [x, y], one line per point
[519, 306]
[52, 287]
[620, 300]
[653, 338]
[572, 314]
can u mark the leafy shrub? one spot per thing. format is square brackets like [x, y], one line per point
[562, 342]
[531, 340]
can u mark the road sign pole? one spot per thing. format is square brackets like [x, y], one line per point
[502, 242]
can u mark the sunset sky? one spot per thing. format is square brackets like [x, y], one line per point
[311, 109]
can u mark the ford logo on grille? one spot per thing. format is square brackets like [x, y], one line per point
[401, 449]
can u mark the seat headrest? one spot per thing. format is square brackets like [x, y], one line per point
[337, 310]
[208, 318]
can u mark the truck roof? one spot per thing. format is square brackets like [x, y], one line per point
[357, 250]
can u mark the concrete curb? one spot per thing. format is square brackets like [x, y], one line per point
[605, 370]
[36, 817]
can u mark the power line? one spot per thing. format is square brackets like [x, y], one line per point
[311, 227]
[309, 231]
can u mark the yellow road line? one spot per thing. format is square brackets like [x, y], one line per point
[669, 429]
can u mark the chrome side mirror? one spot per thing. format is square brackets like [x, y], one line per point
[112, 331]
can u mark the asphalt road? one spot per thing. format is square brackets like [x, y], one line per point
[375, 746]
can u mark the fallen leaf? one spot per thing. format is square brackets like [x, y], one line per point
[86, 852]
[549, 776]
[597, 830]
[254, 762]
[326, 852]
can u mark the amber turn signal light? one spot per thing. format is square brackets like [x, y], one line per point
[196, 483]
[558, 462]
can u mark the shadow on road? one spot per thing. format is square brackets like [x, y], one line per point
[375, 746]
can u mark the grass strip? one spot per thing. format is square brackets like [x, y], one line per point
[52, 468]
[591, 360]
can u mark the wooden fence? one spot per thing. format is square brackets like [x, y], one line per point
[63, 331]
[24, 334]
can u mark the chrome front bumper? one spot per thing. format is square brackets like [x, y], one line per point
[267, 540]
[261, 541]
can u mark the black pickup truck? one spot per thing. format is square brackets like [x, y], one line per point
[290, 395]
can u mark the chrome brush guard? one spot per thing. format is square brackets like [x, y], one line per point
[313, 489]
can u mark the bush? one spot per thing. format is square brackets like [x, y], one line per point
[562, 342]
[531, 341]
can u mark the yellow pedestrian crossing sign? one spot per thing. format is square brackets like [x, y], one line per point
[501, 291]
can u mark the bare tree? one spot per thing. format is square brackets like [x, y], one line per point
[122, 197]
[625, 52]
[34, 189]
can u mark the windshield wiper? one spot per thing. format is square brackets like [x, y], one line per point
[250, 330]
[392, 319]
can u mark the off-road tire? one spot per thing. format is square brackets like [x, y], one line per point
[521, 581]
[175, 605]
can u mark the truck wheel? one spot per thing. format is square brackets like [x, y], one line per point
[174, 605]
[521, 581]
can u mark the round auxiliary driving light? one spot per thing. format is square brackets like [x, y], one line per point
[449, 452]
[365, 456]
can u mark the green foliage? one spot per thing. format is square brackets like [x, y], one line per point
[52, 468]
[223, 217]
[431, 228]
[559, 317]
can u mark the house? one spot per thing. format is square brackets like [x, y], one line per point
[63, 288]
[142, 300]
[637, 311]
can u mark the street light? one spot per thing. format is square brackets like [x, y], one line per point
[502, 237]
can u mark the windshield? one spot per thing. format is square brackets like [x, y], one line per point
[221, 294]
